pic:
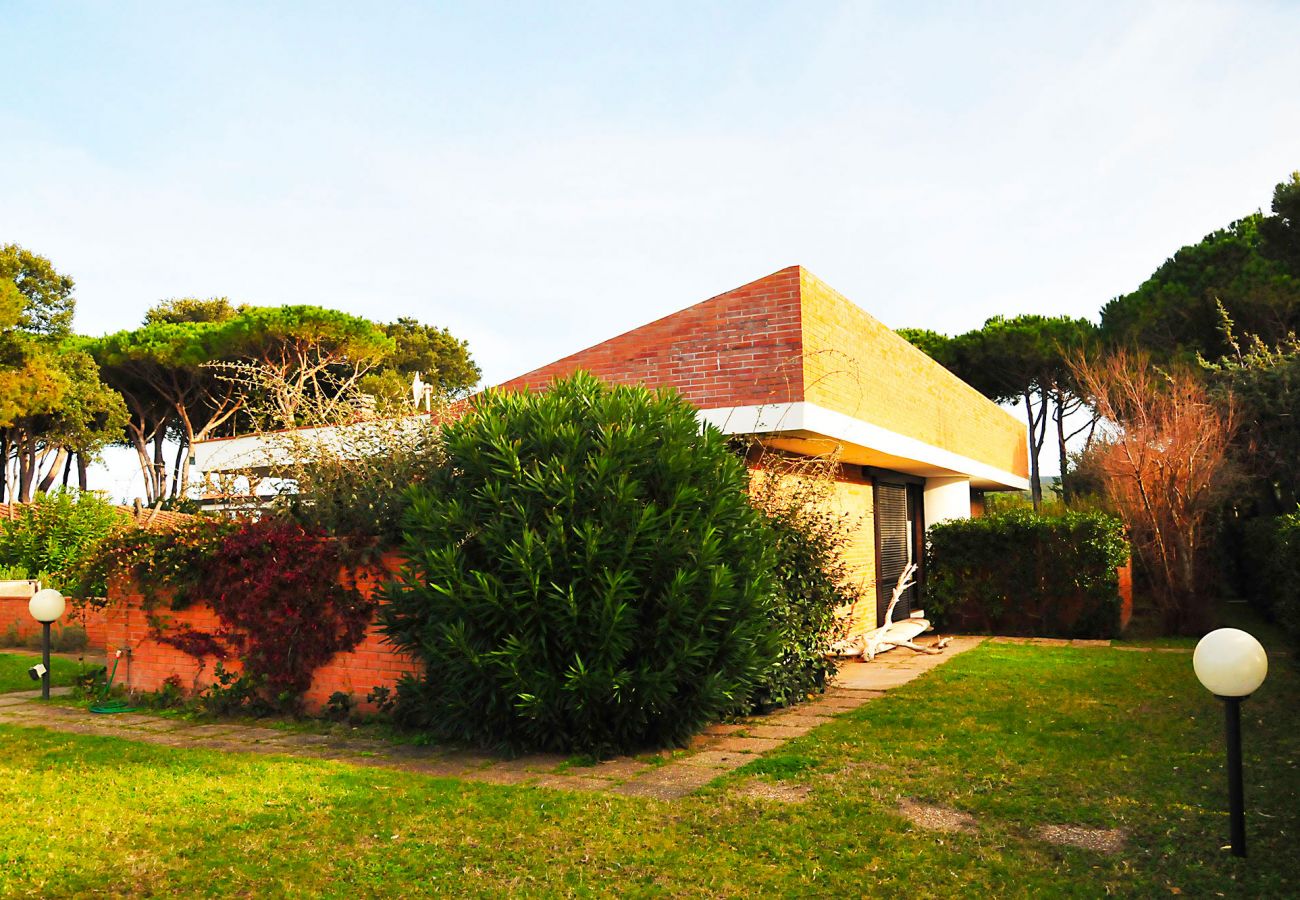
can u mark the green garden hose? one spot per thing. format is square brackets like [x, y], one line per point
[105, 705]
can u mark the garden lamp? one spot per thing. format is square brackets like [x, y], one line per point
[45, 606]
[1232, 665]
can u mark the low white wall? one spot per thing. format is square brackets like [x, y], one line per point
[946, 499]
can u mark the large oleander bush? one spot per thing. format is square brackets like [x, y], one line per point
[585, 573]
[1025, 574]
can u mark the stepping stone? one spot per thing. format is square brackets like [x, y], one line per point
[799, 719]
[623, 767]
[573, 783]
[835, 705]
[777, 792]
[156, 725]
[1099, 840]
[748, 744]
[937, 818]
[668, 782]
[731, 728]
[724, 760]
[303, 740]
[781, 732]
[534, 762]
[207, 731]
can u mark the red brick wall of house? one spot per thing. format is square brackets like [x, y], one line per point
[147, 663]
[740, 348]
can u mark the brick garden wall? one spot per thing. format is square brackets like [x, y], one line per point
[147, 664]
[15, 619]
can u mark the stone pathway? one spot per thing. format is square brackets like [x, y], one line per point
[667, 775]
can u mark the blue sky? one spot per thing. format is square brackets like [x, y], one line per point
[538, 177]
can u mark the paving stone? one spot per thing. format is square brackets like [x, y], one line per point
[415, 751]
[11, 700]
[1084, 642]
[573, 783]
[623, 767]
[803, 717]
[214, 743]
[937, 818]
[533, 762]
[209, 730]
[774, 791]
[834, 706]
[1099, 840]
[748, 744]
[653, 790]
[680, 775]
[154, 724]
[710, 759]
[858, 694]
[36, 694]
[780, 732]
[303, 740]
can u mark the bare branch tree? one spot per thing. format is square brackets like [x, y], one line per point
[1163, 454]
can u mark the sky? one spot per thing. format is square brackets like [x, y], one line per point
[539, 177]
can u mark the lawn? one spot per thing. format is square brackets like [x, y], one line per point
[14, 666]
[1016, 736]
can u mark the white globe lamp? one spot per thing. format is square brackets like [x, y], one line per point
[1232, 665]
[46, 606]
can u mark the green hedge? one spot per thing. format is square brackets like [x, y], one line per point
[1018, 573]
[1270, 570]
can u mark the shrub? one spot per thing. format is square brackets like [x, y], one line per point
[1271, 569]
[812, 579]
[1019, 573]
[52, 536]
[70, 639]
[586, 573]
[356, 484]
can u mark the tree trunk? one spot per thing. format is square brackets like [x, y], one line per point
[159, 467]
[1060, 447]
[67, 468]
[179, 475]
[4, 463]
[26, 464]
[1037, 431]
[48, 481]
[83, 475]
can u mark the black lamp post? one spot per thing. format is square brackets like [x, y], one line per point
[46, 607]
[1232, 665]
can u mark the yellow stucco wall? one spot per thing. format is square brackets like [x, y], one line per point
[850, 497]
[855, 365]
[853, 497]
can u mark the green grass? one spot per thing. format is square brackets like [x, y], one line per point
[14, 666]
[1018, 736]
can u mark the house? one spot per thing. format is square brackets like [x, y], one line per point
[795, 364]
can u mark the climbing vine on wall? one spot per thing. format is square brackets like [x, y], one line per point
[279, 591]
